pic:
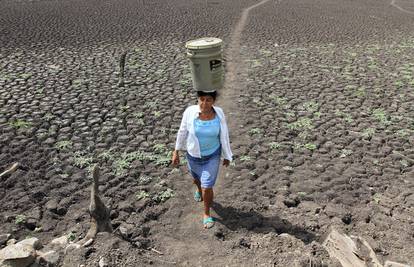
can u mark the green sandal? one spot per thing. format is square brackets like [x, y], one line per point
[208, 222]
[197, 196]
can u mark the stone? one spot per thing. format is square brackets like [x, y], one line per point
[72, 247]
[17, 255]
[50, 258]
[103, 262]
[4, 238]
[51, 205]
[11, 242]
[33, 242]
[395, 264]
[60, 242]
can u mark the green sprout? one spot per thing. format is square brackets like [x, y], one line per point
[71, 237]
[63, 145]
[142, 195]
[82, 161]
[245, 158]
[20, 219]
[302, 123]
[368, 133]
[20, 124]
[254, 131]
[164, 195]
[274, 145]
[310, 146]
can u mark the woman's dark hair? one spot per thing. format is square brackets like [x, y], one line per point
[212, 94]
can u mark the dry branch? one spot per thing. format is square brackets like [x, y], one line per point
[12, 169]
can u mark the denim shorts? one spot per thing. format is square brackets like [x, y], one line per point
[205, 169]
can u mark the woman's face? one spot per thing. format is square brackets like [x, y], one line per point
[205, 103]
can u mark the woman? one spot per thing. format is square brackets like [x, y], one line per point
[204, 135]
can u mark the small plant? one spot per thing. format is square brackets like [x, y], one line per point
[106, 155]
[254, 131]
[144, 180]
[164, 195]
[81, 161]
[157, 114]
[403, 132]
[311, 106]
[63, 145]
[310, 146]
[71, 237]
[25, 75]
[380, 115]
[302, 123]
[245, 158]
[140, 122]
[404, 163]
[360, 92]
[20, 124]
[376, 197]
[142, 195]
[159, 148]
[138, 114]
[121, 165]
[20, 219]
[124, 108]
[278, 100]
[368, 133]
[274, 145]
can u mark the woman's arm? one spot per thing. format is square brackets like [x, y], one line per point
[181, 140]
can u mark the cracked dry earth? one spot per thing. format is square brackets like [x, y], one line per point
[319, 102]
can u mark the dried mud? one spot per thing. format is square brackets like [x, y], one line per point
[321, 124]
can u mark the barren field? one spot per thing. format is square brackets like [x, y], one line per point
[319, 99]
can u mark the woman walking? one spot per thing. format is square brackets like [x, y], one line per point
[204, 135]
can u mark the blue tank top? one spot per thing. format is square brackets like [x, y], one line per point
[208, 135]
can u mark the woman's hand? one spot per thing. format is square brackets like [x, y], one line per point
[226, 162]
[175, 159]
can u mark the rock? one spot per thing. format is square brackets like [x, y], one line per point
[60, 242]
[31, 224]
[51, 205]
[11, 242]
[50, 258]
[33, 242]
[72, 247]
[103, 262]
[4, 238]
[125, 230]
[394, 264]
[291, 202]
[17, 255]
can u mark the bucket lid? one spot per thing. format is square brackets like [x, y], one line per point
[203, 43]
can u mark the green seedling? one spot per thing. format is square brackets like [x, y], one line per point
[311, 106]
[157, 114]
[25, 75]
[302, 123]
[159, 148]
[310, 146]
[254, 131]
[20, 219]
[138, 115]
[71, 237]
[404, 163]
[144, 180]
[381, 116]
[20, 124]
[245, 158]
[63, 145]
[376, 197]
[121, 165]
[142, 195]
[368, 133]
[275, 145]
[124, 108]
[164, 195]
[81, 161]
[106, 155]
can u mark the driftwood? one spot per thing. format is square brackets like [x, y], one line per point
[100, 214]
[348, 252]
[12, 169]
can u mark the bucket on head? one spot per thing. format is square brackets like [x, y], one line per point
[206, 63]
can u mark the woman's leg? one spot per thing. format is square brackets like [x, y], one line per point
[198, 184]
[208, 196]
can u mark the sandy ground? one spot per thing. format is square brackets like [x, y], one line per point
[318, 97]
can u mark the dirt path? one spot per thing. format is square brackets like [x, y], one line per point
[184, 241]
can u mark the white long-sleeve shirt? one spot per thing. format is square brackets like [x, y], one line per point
[187, 139]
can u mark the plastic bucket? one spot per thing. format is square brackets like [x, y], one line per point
[206, 63]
